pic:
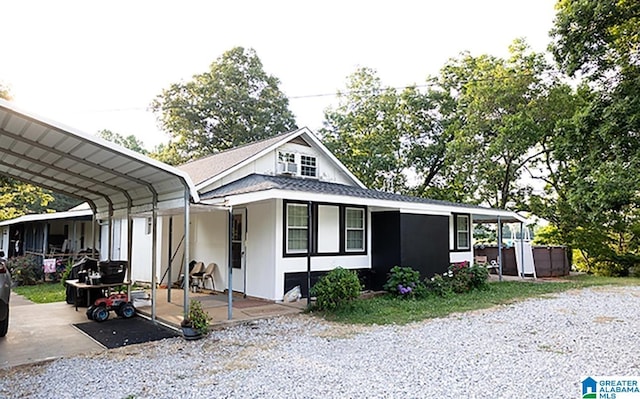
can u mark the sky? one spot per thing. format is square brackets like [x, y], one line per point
[98, 65]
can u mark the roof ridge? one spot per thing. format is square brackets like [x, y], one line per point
[242, 146]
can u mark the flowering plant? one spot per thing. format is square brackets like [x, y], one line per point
[459, 278]
[404, 282]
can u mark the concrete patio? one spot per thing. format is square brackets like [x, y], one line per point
[215, 303]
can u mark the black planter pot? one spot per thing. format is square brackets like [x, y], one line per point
[191, 334]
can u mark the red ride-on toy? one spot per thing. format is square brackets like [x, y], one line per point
[119, 303]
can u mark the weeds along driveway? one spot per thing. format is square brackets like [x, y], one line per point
[543, 346]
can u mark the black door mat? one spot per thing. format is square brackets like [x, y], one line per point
[114, 333]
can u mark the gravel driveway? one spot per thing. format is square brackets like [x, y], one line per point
[537, 348]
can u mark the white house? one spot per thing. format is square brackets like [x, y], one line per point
[260, 203]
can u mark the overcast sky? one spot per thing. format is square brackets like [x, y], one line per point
[98, 65]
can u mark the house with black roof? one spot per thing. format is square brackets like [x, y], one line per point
[278, 208]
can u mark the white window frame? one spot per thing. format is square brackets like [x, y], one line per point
[306, 166]
[466, 231]
[289, 228]
[285, 156]
[347, 229]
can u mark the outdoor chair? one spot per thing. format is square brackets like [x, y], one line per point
[208, 276]
[195, 276]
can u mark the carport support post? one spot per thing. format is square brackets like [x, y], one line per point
[230, 267]
[154, 257]
[129, 249]
[185, 280]
[499, 249]
[169, 257]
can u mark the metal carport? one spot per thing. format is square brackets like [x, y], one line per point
[113, 180]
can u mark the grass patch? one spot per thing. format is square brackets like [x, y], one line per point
[42, 293]
[391, 310]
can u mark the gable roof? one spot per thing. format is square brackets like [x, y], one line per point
[210, 166]
[258, 183]
[205, 171]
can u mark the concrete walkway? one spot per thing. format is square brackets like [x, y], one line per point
[39, 332]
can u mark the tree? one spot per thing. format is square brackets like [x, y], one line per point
[600, 171]
[598, 38]
[18, 198]
[391, 140]
[503, 111]
[233, 103]
[131, 142]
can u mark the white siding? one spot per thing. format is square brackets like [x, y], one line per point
[328, 228]
[268, 164]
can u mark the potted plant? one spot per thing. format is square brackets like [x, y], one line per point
[196, 324]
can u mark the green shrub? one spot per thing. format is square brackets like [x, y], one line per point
[25, 270]
[458, 279]
[337, 287]
[405, 283]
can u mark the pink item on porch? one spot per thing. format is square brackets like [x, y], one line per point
[50, 265]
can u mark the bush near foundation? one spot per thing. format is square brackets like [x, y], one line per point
[336, 288]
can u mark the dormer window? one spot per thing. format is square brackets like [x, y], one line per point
[308, 166]
[293, 164]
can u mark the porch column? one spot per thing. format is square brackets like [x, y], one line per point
[45, 241]
[187, 245]
[129, 249]
[110, 229]
[169, 280]
[230, 267]
[522, 250]
[154, 256]
[499, 249]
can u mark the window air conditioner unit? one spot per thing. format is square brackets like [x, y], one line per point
[287, 168]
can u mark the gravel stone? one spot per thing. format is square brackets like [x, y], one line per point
[540, 347]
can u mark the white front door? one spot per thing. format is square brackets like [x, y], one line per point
[238, 234]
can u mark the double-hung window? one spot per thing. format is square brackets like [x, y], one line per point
[308, 166]
[354, 225]
[463, 232]
[297, 228]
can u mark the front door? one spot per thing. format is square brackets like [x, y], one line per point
[238, 234]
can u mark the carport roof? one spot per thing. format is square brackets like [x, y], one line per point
[59, 158]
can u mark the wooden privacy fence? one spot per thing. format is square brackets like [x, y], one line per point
[550, 261]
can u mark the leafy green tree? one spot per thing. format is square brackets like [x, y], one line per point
[168, 153]
[18, 198]
[233, 103]
[599, 159]
[384, 136]
[501, 115]
[131, 142]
